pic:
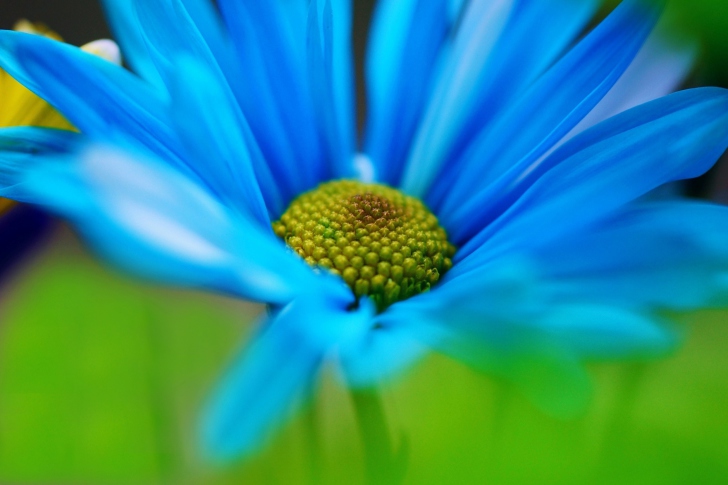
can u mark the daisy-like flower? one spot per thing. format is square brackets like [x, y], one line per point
[493, 214]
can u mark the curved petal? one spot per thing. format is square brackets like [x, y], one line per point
[155, 222]
[385, 352]
[101, 99]
[488, 67]
[405, 41]
[517, 301]
[476, 322]
[123, 22]
[527, 48]
[659, 255]
[556, 103]
[278, 367]
[330, 79]
[218, 141]
[509, 318]
[659, 68]
[270, 42]
[169, 30]
[19, 146]
[482, 24]
[676, 137]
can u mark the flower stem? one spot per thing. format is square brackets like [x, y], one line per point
[381, 464]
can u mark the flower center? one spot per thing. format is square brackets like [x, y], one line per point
[383, 243]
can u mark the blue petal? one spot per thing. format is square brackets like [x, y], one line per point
[551, 108]
[329, 75]
[660, 67]
[270, 40]
[100, 98]
[477, 322]
[482, 24]
[405, 40]
[516, 303]
[676, 137]
[169, 29]
[276, 368]
[213, 130]
[659, 255]
[343, 82]
[153, 221]
[516, 306]
[390, 348]
[18, 148]
[483, 74]
[528, 46]
[509, 318]
[127, 31]
[597, 331]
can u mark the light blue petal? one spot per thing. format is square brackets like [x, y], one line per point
[277, 368]
[192, 28]
[676, 137]
[128, 33]
[476, 328]
[152, 221]
[213, 129]
[386, 352]
[527, 47]
[660, 68]
[517, 302]
[169, 30]
[509, 318]
[343, 81]
[100, 98]
[598, 332]
[488, 80]
[270, 41]
[481, 26]
[19, 146]
[330, 81]
[406, 38]
[657, 255]
[548, 111]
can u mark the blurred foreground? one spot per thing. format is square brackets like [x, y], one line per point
[101, 381]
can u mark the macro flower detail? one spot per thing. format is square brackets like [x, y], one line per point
[518, 141]
[384, 244]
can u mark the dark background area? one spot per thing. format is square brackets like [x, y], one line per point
[78, 21]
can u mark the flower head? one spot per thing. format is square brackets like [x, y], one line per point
[495, 214]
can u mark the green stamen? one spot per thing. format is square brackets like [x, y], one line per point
[382, 243]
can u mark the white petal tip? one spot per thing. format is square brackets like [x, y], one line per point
[364, 168]
[104, 48]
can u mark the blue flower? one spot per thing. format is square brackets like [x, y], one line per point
[489, 111]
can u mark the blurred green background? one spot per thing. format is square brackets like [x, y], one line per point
[102, 379]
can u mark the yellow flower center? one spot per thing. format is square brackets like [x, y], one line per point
[383, 243]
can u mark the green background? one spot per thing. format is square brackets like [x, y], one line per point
[102, 380]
